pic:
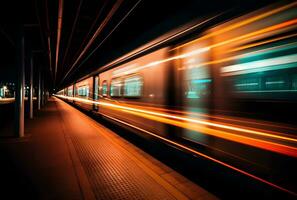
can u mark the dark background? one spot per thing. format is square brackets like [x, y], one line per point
[148, 20]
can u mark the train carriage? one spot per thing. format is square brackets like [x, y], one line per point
[139, 84]
[229, 92]
[84, 90]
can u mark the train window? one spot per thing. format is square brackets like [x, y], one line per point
[115, 88]
[133, 86]
[198, 88]
[275, 83]
[294, 82]
[104, 88]
[83, 91]
[1, 92]
[248, 84]
[197, 80]
[70, 92]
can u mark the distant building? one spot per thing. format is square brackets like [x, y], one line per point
[7, 90]
[1, 92]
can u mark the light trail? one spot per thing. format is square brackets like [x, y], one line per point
[287, 150]
[208, 48]
[155, 63]
[261, 43]
[260, 64]
[195, 152]
[11, 100]
[216, 117]
[258, 32]
[176, 120]
[245, 55]
[154, 44]
[241, 23]
[6, 100]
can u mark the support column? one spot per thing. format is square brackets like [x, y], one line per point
[20, 84]
[42, 91]
[45, 97]
[31, 88]
[39, 89]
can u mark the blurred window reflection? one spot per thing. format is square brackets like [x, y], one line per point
[70, 92]
[248, 84]
[115, 88]
[197, 88]
[83, 90]
[294, 82]
[133, 86]
[104, 88]
[275, 83]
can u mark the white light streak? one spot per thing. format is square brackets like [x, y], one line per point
[261, 63]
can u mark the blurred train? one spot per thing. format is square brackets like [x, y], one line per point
[229, 93]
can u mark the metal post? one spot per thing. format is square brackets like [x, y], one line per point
[42, 91]
[45, 96]
[20, 84]
[39, 89]
[31, 88]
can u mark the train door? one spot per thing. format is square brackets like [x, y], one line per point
[195, 79]
[95, 91]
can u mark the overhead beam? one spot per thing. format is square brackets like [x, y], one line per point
[48, 38]
[102, 41]
[60, 15]
[72, 31]
[7, 37]
[95, 35]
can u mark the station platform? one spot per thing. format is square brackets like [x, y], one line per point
[68, 155]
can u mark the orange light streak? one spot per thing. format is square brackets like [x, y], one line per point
[199, 125]
[156, 43]
[154, 107]
[238, 56]
[155, 63]
[283, 149]
[255, 33]
[261, 43]
[204, 156]
[241, 23]
[205, 49]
